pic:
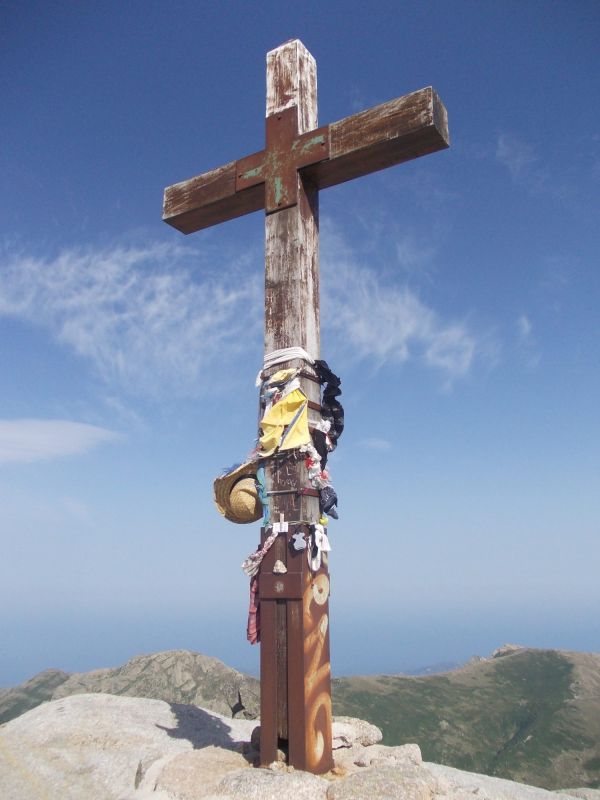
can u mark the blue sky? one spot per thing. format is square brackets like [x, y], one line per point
[459, 306]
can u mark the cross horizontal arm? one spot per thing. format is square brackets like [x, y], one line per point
[388, 134]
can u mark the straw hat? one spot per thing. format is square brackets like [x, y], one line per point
[236, 495]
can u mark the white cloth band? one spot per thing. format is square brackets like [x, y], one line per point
[279, 356]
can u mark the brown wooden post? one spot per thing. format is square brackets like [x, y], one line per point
[284, 179]
[295, 671]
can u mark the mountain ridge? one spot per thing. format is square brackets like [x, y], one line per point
[177, 676]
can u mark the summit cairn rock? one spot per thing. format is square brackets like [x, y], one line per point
[407, 783]
[183, 774]
[381, 755]
[269, 784]
[349, 731]
[103, 747]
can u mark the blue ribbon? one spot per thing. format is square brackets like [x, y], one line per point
[262, 495]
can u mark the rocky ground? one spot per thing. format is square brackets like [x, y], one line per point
[104, 747]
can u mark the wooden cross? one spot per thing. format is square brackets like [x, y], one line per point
[299, 159]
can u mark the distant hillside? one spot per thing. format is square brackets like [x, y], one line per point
[39, 689]
[432, 669]
[529, 715]
[176, 676]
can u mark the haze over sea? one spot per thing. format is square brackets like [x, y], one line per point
[460, 301]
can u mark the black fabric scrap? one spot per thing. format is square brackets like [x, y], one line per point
[331, 408]
[328, 501]
[320, 444]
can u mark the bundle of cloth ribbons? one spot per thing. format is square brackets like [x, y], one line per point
[240, 492]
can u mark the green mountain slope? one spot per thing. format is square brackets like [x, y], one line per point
[529, 715]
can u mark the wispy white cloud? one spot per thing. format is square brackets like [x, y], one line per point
[386, 322]
[559, 273]
[524, 326]
[30, 440]
[357, 99]
[529, 171]
[150, 319]
[526, 342]
[413, 256]
[375, 443]
[126, 413]
[164, 320]
[515, 154]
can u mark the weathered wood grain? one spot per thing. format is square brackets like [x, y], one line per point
[388, 134]
[209, 199]
[292, 81]
[292, 319]
[292, 244]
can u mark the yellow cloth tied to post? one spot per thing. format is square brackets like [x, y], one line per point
[283, 375]
[285, 424]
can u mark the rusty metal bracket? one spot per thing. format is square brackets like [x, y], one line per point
[309, 376]
[304, 492]
[286, 152]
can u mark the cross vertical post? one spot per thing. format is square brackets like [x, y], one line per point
[294, 667]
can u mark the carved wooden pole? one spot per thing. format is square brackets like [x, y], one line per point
[295, 670]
